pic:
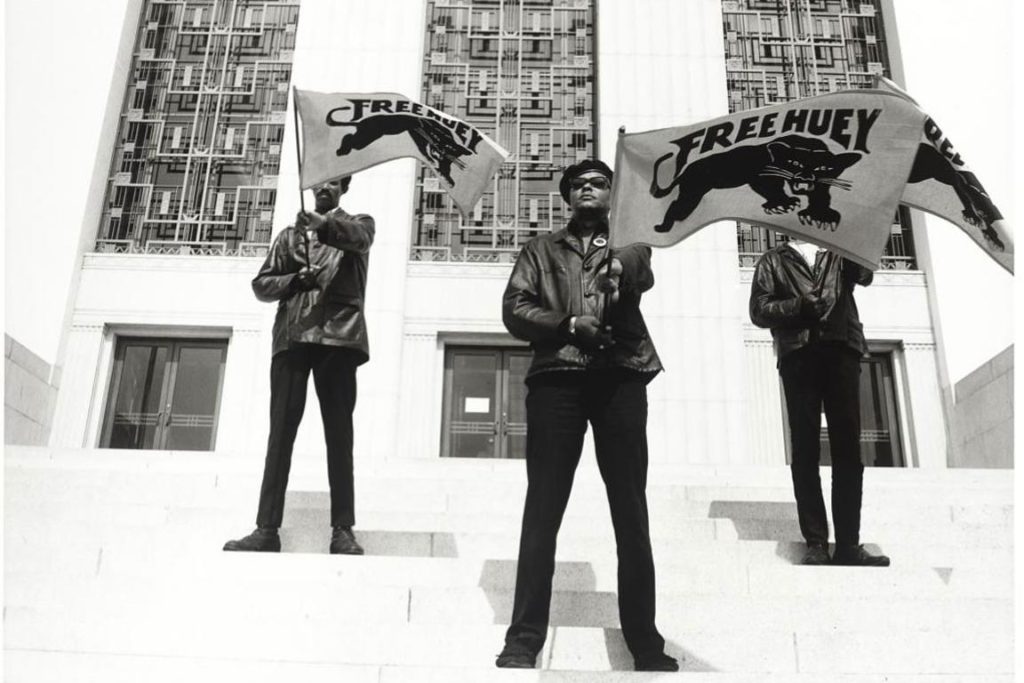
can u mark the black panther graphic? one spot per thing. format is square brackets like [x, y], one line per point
[805, 165]
[435, 141]
[929, 164]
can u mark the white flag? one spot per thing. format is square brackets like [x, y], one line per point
[347, 132]
[830, 169]
[941, 183]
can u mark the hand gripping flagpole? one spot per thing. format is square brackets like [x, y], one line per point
[298, 158]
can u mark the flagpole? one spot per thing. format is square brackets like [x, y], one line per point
[298, 159]
[608, 265]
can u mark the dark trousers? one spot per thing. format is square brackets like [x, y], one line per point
[825, 374]
[334, 376]
[558, 407]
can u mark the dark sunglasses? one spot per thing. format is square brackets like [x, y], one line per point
[598, 183]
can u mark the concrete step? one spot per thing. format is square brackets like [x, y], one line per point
[384, 609]
[82, 539]
[491, 500]
[874, 527]
[113, 571]
[696, 566]
[57, 667]
[453, 469]
[471, 587]
[451, 474]
[313, 637]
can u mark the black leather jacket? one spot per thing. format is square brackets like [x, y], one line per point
[554, 280]
[782, 276]
[331, 314]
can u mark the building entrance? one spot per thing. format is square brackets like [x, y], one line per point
[484, 403]
[880, 439]
[164, 394]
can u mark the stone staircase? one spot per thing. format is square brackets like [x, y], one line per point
[113, 572]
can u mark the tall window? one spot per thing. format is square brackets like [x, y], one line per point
[780, 51]
[523, 72]
[197, 153]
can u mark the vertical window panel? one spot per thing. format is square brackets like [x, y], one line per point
[530, 86]
[196, 59]
[776, 52]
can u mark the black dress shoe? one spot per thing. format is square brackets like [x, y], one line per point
[259, 541]
[515, 658]
[857, 556]
[343, 542]
[816, 555]
[658, 661]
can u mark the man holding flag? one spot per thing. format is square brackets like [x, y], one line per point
[591, 363]
[805, 295]
[316, 272]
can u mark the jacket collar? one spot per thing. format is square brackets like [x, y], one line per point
[569, 238]
[790, 252]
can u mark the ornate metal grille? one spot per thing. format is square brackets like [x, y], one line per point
[198, 150]
[781, 50]
[523, 72]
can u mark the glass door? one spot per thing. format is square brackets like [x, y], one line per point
[879, 423]
[513, 431]
[164, 394]
[880, 441]
[484, 403]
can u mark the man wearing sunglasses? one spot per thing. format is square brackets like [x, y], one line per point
[579, 307]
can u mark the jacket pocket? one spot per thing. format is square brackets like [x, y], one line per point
[334, 300]
[343, 319]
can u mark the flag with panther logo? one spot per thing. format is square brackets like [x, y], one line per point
[941, 183]
[829, 169]
[347, 132]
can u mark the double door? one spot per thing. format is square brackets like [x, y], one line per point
[484, 403]
[880, 440]
[164, 394]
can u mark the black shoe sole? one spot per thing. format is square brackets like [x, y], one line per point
[251, 550]
[514, 664]
[347, 552]
[659, 665]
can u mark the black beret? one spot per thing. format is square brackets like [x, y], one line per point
[579, 169]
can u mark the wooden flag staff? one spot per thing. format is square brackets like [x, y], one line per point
[298, 158]
[608, 263]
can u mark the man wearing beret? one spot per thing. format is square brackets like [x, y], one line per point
[592, 360]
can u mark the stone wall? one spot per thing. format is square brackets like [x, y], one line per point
[30, 394]
[982, 428]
